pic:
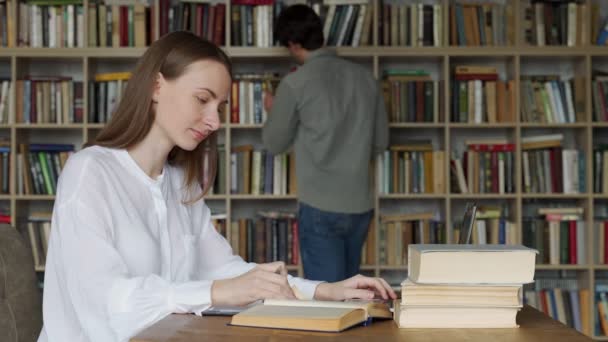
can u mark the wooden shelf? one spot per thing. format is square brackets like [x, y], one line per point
[553, 125]
[35, 197]
[262, 197]
[49, 126]
[554, 196]
[411, 196]
[600, 124]
[483, 196]
[484, 125]
[416, 125]
[562, 267]
[245, 126]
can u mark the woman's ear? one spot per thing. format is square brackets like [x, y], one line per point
[158, 84]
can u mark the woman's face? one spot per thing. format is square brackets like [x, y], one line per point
[188, 108]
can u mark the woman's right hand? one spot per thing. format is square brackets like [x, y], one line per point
[265, 281]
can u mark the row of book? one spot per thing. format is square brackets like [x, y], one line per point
[414, 24]
[38, 230]
[550, 168]
[115, 25]
[259, 172]
[39, 166]
[559, 236]
[481, 24]
[411, 168]
[555, 23]
[271, 236]
[348, 24]
[485, 167]
[396, 232]
[492, 226]
[206, 20]
[412, 96]
[105, 94]
[46, 24]
[479, 96]
[247, 97]
[562, 300]
[49, 100]
[547, 99]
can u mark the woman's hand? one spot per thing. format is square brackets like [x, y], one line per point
[356, 287]
[265, 281]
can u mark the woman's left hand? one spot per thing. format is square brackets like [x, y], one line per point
[356, 287]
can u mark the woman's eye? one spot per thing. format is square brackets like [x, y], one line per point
[202, 100]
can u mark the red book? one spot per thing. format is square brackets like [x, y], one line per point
[543, 302]
[199, 20]
[123, 26]
[210, 23]
[472, 77]
[572, 242]
[220, 16]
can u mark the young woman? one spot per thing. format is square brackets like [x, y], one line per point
[131, 238]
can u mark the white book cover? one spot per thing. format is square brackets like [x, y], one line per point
[471, 264]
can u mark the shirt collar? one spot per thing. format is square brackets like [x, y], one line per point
[126, 160]
[322, 52]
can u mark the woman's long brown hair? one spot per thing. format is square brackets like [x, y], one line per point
[133, 118]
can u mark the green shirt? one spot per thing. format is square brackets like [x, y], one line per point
[332, 111]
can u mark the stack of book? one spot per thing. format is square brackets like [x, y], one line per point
[464, 286]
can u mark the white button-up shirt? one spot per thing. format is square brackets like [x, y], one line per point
[125, 251]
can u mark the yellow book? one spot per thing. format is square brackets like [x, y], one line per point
[112, 76]
[311, 315]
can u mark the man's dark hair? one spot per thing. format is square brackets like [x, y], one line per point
[299, 24]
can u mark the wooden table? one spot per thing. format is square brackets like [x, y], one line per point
[534, 327]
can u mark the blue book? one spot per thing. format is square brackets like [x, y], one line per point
[51, 147]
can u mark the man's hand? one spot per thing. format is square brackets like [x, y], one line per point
[268, 99]
[356, 287]
[265, 281]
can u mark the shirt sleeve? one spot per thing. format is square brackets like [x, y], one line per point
[282, 123]
[218, 261]
[96, 282]
[381, 124]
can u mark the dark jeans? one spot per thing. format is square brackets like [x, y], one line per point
[330, 243]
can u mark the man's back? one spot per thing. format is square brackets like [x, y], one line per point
[341, 122]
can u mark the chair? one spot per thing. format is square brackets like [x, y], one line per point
[20, 297]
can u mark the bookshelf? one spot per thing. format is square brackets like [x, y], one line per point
[513, 60]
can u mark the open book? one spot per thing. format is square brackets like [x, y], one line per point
[311, 315]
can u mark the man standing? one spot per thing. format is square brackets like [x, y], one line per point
[332, 111]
